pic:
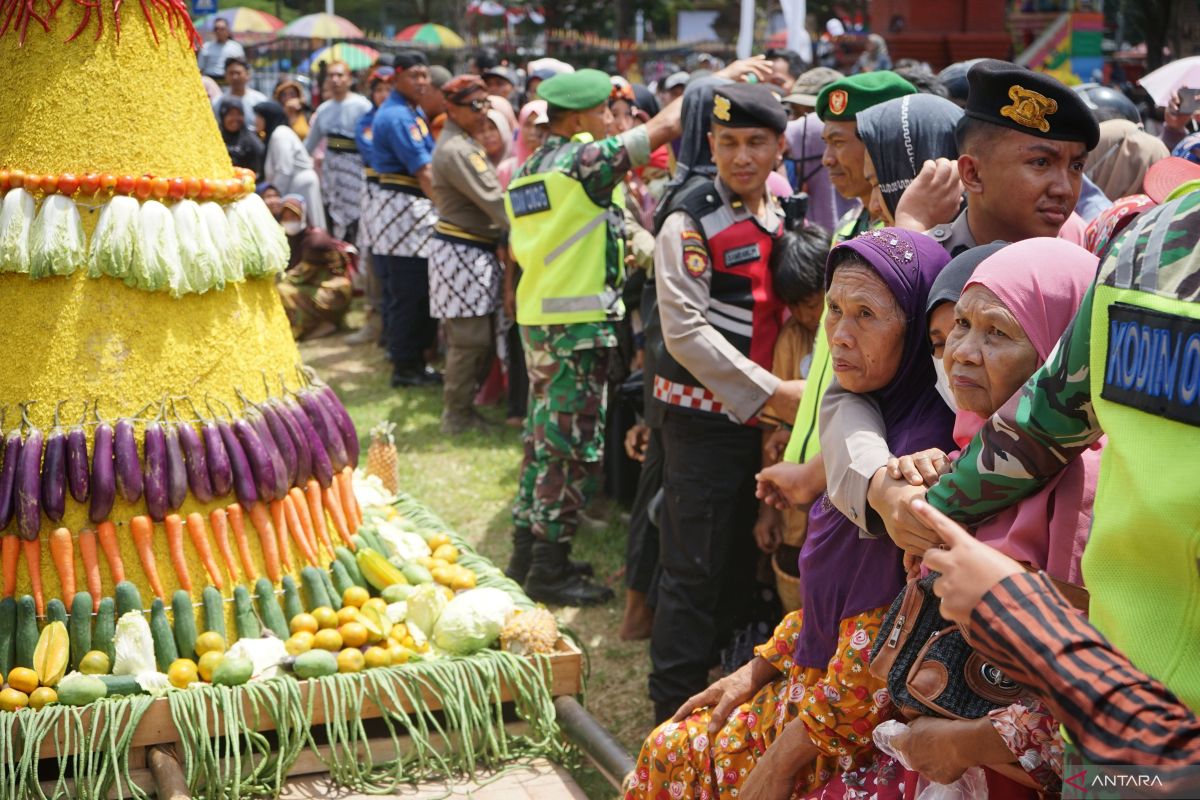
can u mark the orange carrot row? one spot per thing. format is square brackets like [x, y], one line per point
[33, 563]
[266, 537]
[9, 549]
[199, 536]
[63, 554]
[316, 509]
[107, 534]
[233, 516]
[142, 530]
[91, 565]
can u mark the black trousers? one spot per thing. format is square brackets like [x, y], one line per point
[518, 376]
[407, 327]
[641, 549]
[707, 550]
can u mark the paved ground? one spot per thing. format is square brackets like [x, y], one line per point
[541, 780]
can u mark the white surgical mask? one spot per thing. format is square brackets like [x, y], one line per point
[943, 384]
[293, 227]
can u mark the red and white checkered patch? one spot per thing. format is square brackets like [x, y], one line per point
[684, 396]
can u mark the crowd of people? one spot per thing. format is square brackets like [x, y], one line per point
[913, 365]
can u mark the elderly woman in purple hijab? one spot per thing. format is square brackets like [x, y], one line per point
[802, 711]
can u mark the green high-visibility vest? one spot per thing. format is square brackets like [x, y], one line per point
[1142, 560]
[559, 236]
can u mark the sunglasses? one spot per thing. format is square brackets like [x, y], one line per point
[477, 105]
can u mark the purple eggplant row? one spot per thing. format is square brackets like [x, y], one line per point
[78, 479]
[8, 475]
[341, 418]
[304, 464]
[325, 427]
[243, 476]
[125, 454]
[322, 468]
[104, 479]
[276, 473]
[177, 478]
[283, 442]
[54, 471]
[27, 488]
[195, 462]
[220, 469]
[154, 471]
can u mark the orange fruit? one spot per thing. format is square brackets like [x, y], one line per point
[304, 622]
[325, 616]
[95, 662]
[347, 614]
[350, 660]
[209, 642]
[23, 679]
[209, 662]
[446, 552]
[13, 700]
[182, 672]
[355, 596]
[437, 540]
[354, 634]
[328, 639]
[42, 697]
[377, 657]
[300, 642]
[399, 654]
[377, 603]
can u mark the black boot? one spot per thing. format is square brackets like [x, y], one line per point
[551, 579]
[522, 554]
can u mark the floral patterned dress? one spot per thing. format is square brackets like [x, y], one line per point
[840, 706]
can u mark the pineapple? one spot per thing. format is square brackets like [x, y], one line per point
[533, 631]
[382, 459]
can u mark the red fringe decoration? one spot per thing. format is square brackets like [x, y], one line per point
[16, 15]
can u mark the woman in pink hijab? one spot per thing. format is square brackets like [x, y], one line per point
[530, 135]
[1013, 310]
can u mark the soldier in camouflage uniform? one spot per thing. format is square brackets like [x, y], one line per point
[567, 233]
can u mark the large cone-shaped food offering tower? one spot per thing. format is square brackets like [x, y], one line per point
[183, 552]
[152, 374]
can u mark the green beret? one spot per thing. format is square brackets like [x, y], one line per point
[841, 100]
[748, 105]
[1030, 102]
[576, 91]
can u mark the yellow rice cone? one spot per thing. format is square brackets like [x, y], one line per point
[134, 107]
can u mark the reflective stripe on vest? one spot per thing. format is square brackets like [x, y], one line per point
[559, 236]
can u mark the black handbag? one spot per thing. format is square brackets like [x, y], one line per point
[930, 668]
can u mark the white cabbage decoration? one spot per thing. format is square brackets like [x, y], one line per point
[226, 239]
[115, 241]
[472, 621]
[199, 256]
[261, 239]
[16, 218]
[162, 267]
[188, 247]
[133, 645]
[57, 245]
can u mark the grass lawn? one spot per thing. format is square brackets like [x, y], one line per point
[470, 481]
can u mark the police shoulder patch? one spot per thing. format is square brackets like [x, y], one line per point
[695, 254]
[1153, 362]
[477, 162]
[414, 133]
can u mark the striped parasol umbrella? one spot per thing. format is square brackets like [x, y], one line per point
[356, 56]
[431, 35]
[241, 20]
[322, 26]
